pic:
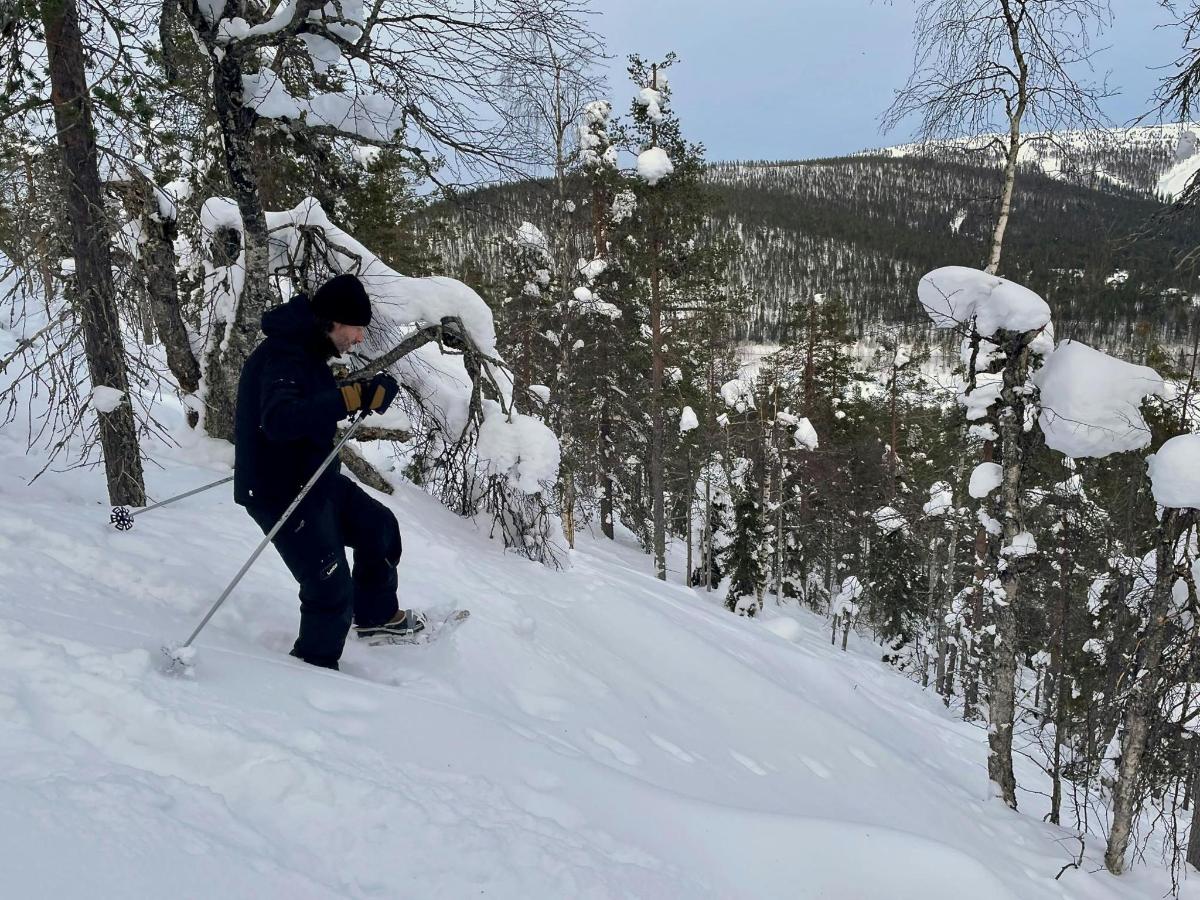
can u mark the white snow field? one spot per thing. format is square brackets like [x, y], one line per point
[591, 733]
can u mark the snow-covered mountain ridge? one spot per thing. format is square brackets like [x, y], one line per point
[1159, 160]
[589, 733]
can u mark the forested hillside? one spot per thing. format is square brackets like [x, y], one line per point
[865, 228]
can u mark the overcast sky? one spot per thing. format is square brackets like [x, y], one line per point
[772, 79]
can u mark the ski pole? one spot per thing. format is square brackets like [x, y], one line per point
[182, 654]
[122, 516]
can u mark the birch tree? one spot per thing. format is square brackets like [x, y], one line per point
[1002, 73]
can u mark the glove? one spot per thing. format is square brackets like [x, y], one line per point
[375, 395]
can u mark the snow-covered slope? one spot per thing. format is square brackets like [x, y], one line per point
[1156, 159]
[589, 733]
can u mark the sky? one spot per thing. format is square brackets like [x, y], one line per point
[765, 79]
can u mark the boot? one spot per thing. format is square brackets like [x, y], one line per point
[406, 623]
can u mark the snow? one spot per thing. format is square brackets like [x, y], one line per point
[592, 269]
[238, 29]
[519, 447]
[990, 525]
[590, 733]
[1176, 179]
[364, 114]
[738, 394]
[845, 603]
[1022, 544]
[952, 295]
[888, 519]
[397, 300]
[652, 100]
[688, 421]
[985, 432]
[1175, 472]
[987, 391]
[211, 9]
[106, 399]
[941, 499]
[805, 435]
[985, 478]
[654, 165]
[1090, 401]
[623, 206]
[530, 237]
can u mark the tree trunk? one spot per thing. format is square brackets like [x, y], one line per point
[1143, 695]
[95, 298]
[1193, 847]
[238, 336]
[159, 267]
[1015, 117]
[948, 684]
[933, 611]
[1002, 697]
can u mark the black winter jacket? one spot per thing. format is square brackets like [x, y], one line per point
[288, 407]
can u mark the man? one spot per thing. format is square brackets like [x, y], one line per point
[288, 408]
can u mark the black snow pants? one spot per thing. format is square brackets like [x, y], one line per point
[313, 545]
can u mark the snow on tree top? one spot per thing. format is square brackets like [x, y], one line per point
[985, 478]
[372, 116]
[529, 236]
[1090, 401]
[687, 420]
[941, 499]
[1175, 472]
[888, 519]
[653, 101]
[738, 394]
[805, 435]
[398, 300]
[654, 165]
[953, 295]
[518, 447]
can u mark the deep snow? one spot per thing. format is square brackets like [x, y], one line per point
[589, 733]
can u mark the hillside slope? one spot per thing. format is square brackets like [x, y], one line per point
[589, 733]
[866, 228]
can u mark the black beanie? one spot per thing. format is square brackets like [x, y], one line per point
[342, 299]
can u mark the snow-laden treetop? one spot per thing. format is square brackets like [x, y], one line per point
[953, 295]
[1091, 401]
[1175, 472]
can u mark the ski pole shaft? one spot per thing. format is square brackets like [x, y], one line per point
[275, 529]
[122, 517]
[138, 512]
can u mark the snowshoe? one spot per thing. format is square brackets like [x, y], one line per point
[406, 624]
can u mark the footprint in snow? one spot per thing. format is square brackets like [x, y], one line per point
[338, 702]
[541, 706]
[862, 757]
[615, 747]
[748, 763]
[815, 767]
[678, 752]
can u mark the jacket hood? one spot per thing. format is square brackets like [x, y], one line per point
[295, 322]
